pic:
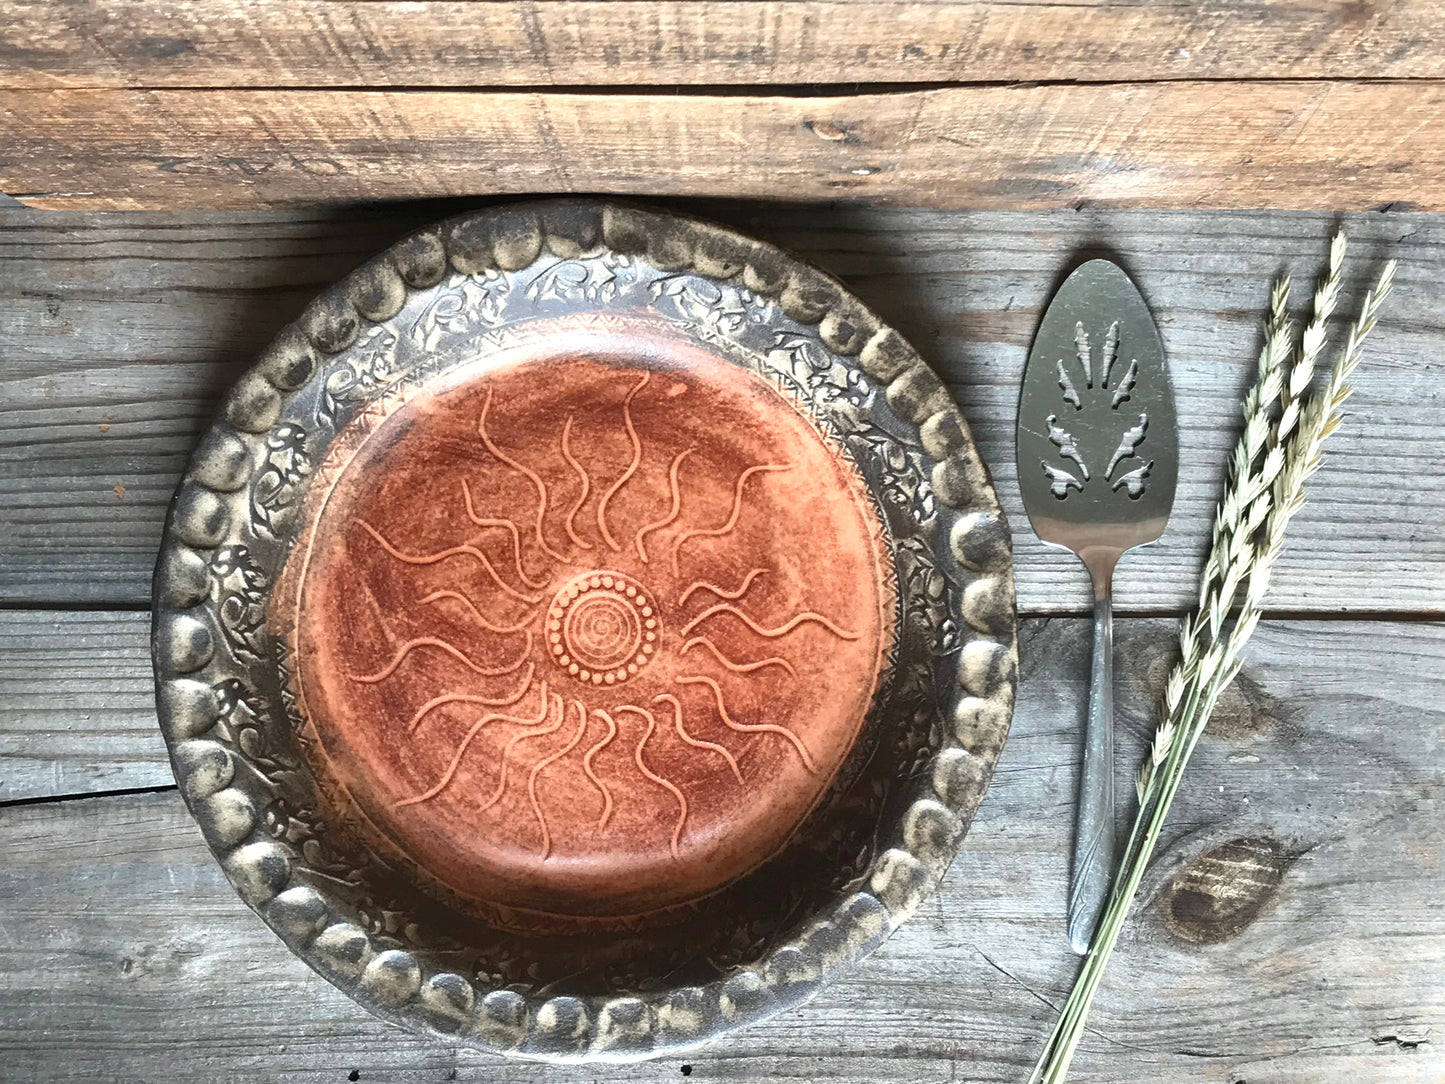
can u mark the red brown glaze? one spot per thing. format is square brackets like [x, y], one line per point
[587, 627]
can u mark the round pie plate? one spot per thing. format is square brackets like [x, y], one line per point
[585, 631]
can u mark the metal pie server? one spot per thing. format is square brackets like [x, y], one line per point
[1098, 457]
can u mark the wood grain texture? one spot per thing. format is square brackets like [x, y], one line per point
[77, 705]
[353, 43]
[120, 332]
[1316, 798]
[1287, 144]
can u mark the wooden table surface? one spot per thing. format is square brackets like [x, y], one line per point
[1292, 930]
[1335, 104]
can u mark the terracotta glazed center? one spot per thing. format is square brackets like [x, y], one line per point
[587, 627]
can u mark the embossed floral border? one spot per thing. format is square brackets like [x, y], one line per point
[213, 504]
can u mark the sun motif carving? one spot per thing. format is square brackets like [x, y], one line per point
[595, 619]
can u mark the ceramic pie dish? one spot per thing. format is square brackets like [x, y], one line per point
[585, 631]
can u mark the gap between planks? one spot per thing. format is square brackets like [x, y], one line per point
[1430, 616]
[880, 89]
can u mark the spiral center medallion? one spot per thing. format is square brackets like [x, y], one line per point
[602, 627]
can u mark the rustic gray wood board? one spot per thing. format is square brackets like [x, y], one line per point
[1289, 933]
[348, 43]
[77, 705]
[118, 333]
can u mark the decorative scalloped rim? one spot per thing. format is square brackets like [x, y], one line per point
[391, 982]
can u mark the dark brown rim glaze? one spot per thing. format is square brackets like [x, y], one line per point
[230, 728]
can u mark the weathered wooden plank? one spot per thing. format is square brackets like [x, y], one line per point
[77, 705]
[116, 346]
[315, 43]
[1288, 144]
[119, 332]
[1290, 932]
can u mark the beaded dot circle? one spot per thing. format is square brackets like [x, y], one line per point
[602, 627]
